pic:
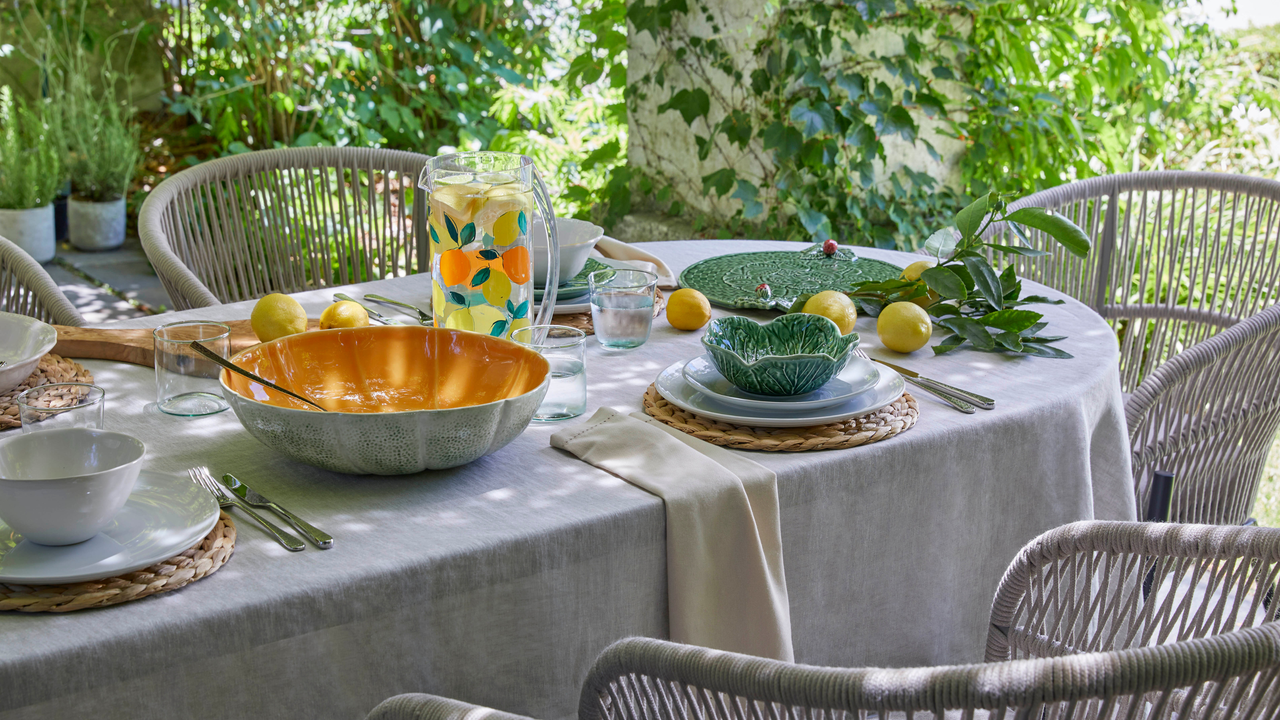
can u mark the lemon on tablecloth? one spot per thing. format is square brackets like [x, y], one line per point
[688, 309]
[276, 316]
[344, 314]
[836, 307]
[911, 273]
[904, 327]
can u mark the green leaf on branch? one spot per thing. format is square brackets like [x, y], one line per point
[942, 243]
[986, 281]
[1014, 321]
[721, 181]
[747, 193]
[813, 119]
[783, 138]
[898, 122]
[1010, 283]
[1046, 351]
[854, 85]
[691, 104]
[817, 224]
[972, 330]
[949, 343]
[944, 282]
[814, 79]
[969, 219]
[1016, 250]
[1056, 226]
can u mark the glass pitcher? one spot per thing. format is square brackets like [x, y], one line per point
[480, 207]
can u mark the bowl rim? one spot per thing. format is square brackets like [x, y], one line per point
[595, 237]
[87, 476]
[857, 339]
[546, 378]
[49, 333]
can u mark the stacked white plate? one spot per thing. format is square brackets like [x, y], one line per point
[861, 387]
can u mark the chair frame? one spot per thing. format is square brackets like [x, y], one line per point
[27, 289]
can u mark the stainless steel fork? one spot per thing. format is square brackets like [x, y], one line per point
[202, 477]
[955, 402]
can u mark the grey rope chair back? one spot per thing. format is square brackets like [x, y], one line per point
[241, 227]
[1186, 268]
[1228, 676]
[1177, 258]
[1080, 588]
[26, 289]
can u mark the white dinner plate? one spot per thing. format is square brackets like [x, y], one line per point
[164, 515]
[676, 390]
[858, 376]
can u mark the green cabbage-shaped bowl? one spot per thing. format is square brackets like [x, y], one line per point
[791, 355]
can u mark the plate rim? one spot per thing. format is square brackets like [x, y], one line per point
[752, 403]
[133, 566]
[891, 376]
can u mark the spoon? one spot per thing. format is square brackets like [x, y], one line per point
[241, 371]
[423, 316]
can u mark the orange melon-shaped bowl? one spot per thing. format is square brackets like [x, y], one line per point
[400, 399]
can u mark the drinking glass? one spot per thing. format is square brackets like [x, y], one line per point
[622, 306]
[564, 349]
[61, 405]
[187, 382]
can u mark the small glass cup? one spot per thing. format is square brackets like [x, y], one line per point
[622, 306]
[187, 382]
[565, 349]
[62, 405]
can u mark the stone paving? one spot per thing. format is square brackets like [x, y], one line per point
[125, 269]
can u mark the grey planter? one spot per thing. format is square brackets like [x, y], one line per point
[95, 225]
[31, 230]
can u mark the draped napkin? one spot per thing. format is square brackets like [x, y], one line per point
[618, 250]
[725, 585]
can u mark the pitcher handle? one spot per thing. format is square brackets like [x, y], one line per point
[540, 195]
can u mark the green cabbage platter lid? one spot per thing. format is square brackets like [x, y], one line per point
[730, 281]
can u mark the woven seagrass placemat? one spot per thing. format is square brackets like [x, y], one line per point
[198, 561]
[52, 369]
[582, 321]
[897, 417]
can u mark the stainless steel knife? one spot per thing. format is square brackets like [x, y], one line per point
[981, 401]
[321, 539]
[374, 315]
[424, 317]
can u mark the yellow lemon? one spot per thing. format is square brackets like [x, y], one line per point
[835, 306]
[912, 274]
[688, 309]
[344, 314]
[904, 327]
[497, 289]
[276, 316]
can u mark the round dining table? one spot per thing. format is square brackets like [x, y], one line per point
[500, 581]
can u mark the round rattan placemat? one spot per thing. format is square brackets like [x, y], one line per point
[52, 369]
[198, 561]
[582, 321]
[882, 424]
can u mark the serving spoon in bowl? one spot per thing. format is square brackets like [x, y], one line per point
[241, 371]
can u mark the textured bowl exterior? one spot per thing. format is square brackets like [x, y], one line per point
[26, 340]
[792, 355]
[399, 443]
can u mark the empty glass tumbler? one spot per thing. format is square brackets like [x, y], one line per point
[62, 405]
[564, 349]
[186, 382]
[622, 306]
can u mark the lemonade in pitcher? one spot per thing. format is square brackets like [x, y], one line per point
[480, 209]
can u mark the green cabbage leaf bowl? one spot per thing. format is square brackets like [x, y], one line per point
[791, 355]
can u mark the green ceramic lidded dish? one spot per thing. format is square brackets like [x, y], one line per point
[791, 355]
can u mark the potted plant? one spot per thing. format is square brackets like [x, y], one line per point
[103, 154]
[30, 174]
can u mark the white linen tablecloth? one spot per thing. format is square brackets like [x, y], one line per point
[499, 582]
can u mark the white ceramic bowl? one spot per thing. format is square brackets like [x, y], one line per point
[402, 399]
[59, 487]
[25, 341]
[577, 238]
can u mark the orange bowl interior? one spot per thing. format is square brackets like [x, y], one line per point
[388, 369]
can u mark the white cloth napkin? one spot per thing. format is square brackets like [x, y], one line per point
[618, 250]
[725, 585]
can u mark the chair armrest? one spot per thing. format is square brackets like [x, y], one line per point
[420, 706]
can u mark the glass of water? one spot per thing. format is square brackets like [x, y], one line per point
[622, 306]
[187, 382]
[564, 348]
[61, 405]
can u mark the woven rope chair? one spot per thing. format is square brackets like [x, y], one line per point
[241, 227]
[26, 289]
[1207, 653]
[1180, 259]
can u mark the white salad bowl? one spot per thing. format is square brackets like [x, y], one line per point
[59, 487]
[25, 341]
[577, 239]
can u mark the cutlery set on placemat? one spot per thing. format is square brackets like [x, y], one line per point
[233, 493]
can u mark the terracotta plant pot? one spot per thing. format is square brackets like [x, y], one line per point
[31, 230]
[95, 225]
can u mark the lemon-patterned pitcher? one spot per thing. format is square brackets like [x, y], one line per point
[481, 205]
